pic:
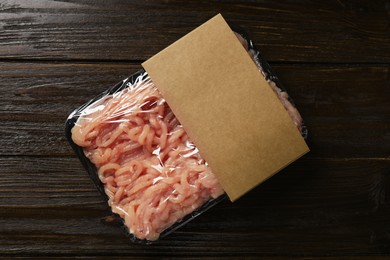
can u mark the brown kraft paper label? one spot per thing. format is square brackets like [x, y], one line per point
[226, 106]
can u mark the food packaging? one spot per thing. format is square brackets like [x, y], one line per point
[141, 159]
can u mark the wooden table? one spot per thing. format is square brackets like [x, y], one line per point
[334, 58]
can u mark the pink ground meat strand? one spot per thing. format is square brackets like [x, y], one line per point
[152, 173]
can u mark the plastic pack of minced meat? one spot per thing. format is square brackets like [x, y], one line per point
[141, 159]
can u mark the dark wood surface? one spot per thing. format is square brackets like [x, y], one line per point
[334, 58]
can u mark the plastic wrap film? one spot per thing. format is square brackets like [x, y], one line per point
[152, 173]
[141, 158]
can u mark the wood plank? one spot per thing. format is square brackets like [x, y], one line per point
[371, 257]
[314, 31]
[330, 207]
[36, 99]
[344, 106]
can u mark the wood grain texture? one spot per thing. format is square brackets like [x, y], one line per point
[334, 58]
[342, 105]
[314, 31]
[312, 206]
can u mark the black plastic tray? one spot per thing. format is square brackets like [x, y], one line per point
[92, 171]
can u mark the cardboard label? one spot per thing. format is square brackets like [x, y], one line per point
[226, 106]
